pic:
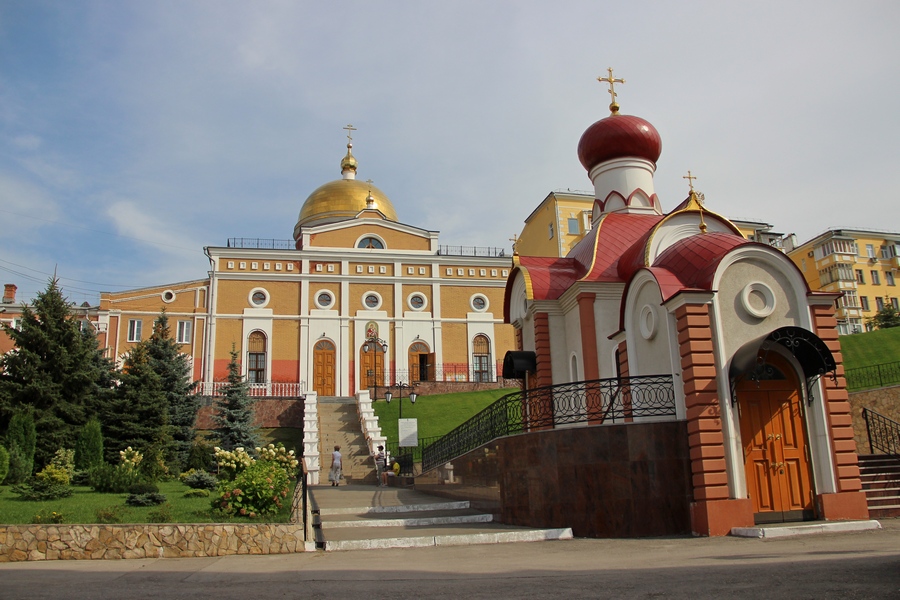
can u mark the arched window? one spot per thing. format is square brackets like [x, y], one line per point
[371, 243]
[256, 357]
[481, 359]
[420, 368]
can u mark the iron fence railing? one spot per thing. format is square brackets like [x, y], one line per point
[261, 243]
[271, 389]
[409, 457]
[460, 373]
[471, 251]
[598, 401]
[883, 433]
[873, 376]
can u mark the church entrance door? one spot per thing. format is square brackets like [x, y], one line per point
[324, 375]
[773, 430]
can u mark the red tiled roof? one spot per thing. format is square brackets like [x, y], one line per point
[617, 233]
[694, 260]
[549, 276]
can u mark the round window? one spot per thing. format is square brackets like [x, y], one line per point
[324, 300]
[479, 303]
[372, 301]
[168, 296]
[417, 301]
[258, 298]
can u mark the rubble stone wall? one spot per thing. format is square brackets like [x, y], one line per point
[81, 542]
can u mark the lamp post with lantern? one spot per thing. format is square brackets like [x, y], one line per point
[373, 343]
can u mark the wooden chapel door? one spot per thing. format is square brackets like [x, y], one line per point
[324, 372]
[776, 460]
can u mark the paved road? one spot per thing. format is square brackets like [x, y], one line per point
[845, 566]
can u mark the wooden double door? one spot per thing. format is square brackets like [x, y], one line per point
[324, 371]
[776, 448]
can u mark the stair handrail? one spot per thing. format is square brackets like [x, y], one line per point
[883, 433]
[599, 401]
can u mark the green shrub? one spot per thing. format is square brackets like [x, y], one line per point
[4, 463]
[21, 434]
[110, 514]
[143, 487]
[260, 489]
[197, 493]
[111, 479]
[162, 514]
[200, 480]
[46, 516]
[54, 474]
[64, 460]
[89, 446]
[41, 489]
[201, 456]
[19, 465]
[151, 499]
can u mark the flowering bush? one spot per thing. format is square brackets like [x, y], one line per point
[232, 463]
[45, 516]
[130, 458]
[278, 454]
[260, 489]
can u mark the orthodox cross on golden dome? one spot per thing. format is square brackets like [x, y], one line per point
[612, 81]
[690, 179]
[350, 129]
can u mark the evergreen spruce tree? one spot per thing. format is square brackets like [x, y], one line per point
[234, 412]
[21, 439]
[174, 370]
[137, 415]
[57, 371]
[886, 318]
[89, 446]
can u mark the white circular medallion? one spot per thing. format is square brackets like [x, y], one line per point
[648, 322]
[758, 300]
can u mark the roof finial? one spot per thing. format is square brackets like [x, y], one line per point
[612, 81]
[348, 163]
[370, 199]
[690, 179]
[515, 244]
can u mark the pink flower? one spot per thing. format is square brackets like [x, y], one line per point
[243, 511]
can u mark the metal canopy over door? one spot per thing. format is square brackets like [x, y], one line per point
[324, 373]
[776, 461]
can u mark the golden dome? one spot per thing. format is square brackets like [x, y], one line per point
[343, 199]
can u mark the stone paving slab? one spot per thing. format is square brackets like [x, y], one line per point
[795, 529]
[338, 519]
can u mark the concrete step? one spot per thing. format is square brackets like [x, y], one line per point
[357, 517]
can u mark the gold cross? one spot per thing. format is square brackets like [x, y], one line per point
[350, 129]
[612, 81]
[690, 179]
[515, 242]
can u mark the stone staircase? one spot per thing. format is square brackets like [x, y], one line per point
[880, 474]
[339, 424]
[369, 517]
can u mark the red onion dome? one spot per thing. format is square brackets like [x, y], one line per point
[619, 136]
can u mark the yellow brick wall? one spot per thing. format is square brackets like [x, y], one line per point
[347, 238]
[234, 296]
[357, 290]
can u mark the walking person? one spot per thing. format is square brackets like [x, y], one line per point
[379, 464]
[336, 472]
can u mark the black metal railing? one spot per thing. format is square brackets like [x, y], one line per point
[598, 401]
[261, 243]
[410, 457]
[460, 373]
[873, 376]
[884, 434]
[471, 251]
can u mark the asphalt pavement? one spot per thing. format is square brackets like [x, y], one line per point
[864, 564]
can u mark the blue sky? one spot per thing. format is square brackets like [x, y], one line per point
[134, 133]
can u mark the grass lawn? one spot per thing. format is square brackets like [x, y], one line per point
[437, 414]
[871, 348]
[82, 506]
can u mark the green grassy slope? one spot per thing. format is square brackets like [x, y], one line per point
[437, 414]
[872, 348]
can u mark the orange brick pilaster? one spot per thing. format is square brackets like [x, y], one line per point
[712, 512]
[588, 335]
[849, 501]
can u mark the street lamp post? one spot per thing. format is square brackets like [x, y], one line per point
[400, 387]
[372, 343]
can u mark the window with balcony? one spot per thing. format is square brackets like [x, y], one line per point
[836, 247]
[837, 272]
[849, 300]
[256, 357]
